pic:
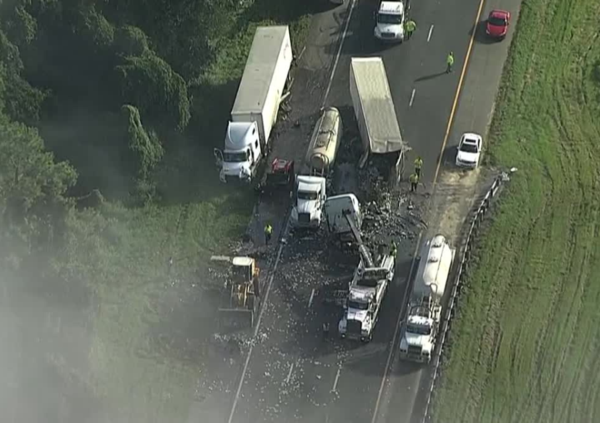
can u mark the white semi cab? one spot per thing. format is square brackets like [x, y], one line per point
[336, 210]
[390, 21]
[468, 151]
[310, 196]
[256, 104]
[376, 115]
[365, 297]
[420, 330]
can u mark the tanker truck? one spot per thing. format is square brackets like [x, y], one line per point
[420, 330]
[311, 188]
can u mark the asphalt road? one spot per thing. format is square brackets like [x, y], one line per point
[293, 373]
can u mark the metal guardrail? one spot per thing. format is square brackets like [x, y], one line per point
[466, 254]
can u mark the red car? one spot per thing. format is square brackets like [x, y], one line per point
[497, 24]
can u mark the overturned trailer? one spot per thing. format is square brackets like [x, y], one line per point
[383, 146]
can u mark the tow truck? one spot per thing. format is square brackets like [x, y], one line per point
[366, 291]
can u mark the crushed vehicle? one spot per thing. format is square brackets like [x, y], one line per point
[280, 177]
[337, 209]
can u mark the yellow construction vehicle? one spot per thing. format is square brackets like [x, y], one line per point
[241, 295]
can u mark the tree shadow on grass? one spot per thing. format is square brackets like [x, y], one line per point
[189, 172]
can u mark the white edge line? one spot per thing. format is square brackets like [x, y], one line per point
[412, 97]
[339, 52]
[256, 329]
[430, 32]
[289, 376]
[312, 296]
[337, 377]
[396, 331]
[249, 355]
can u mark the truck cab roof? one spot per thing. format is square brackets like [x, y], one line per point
[391, 7]
[240, 135]
[310, 183]
[242, 261]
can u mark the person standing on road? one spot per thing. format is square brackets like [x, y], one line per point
[394, 249]
[418, 166]
[268, 233]
[449, 62]
[414, 182]
[410, 26]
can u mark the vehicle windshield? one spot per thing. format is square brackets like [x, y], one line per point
[384, 18]
[468, 148]
[497, 21]
[357, 305]
[306, 195]
[237, 157]
[418, 329]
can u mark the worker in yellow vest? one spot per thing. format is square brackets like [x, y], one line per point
[414, 182]
[268, 233]
[418, 166]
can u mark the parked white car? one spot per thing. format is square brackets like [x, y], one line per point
[469, 150]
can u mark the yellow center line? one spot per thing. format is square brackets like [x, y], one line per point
[437, 171]
[457, 95]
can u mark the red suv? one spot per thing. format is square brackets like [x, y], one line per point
[497, 24]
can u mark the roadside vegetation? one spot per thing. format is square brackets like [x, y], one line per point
[524, 344]
[110, 199]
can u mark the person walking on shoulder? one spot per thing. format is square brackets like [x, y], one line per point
[418, 166]
[449, 62]
[414, 182]
[410, 26]
[268, 233]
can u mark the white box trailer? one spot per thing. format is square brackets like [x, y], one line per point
[264, 79]
[375, 111]
[256, 105]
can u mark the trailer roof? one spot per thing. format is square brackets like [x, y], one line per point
[377, 104]
[260, 65]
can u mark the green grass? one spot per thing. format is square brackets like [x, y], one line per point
[147, 344]
[524, 346]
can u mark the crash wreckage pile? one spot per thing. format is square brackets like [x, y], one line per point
[392, 216]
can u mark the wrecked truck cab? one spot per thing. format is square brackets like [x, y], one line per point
[310, 196]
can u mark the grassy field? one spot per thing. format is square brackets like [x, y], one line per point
[150, 325]
[524, 346]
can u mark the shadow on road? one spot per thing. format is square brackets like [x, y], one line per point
[480, 36]
[431, 76]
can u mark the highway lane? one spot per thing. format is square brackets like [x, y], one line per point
[295, 375]
[416, 66]
[455, 189]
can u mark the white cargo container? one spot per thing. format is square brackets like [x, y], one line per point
[375, 112]
[256, 104]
